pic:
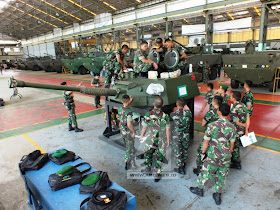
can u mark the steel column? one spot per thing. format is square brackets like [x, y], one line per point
[263, 28]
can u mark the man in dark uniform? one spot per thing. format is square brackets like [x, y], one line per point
[70, 106]
[216, 153]
[114, 64]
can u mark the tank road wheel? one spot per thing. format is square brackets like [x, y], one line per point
[234, 84]
[36, 68]
[270, 86]
[48, 69]
[213, 74]
[82, 70]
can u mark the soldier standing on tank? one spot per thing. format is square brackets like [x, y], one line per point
[211, 116]
[240, 117]
[114, 64]
[206, 70]
[96, 83]
[142, 64]
[248, 98]
[208, 98]
[216, 153]
[70, 106]
[182, 59]
[127, 131]
[158, 138]
[161, 49]
[181, 119]
[222, 91]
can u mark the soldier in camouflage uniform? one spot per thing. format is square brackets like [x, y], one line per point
[114, 64]
[70, 106]
[158, 137]
[206, 68]
[180, 135]
[127, 131]
[222, 91]
[161, 49]
[208, 98]
[96, 83]
[210, 116]
[182, 59]
[240, 117]
[216, 154]
[248, 98]
[142, 64]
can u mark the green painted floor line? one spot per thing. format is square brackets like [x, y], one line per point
[264, 142]
[50, 123]
[258, 101]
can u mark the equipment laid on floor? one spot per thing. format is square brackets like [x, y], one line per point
[40, 194]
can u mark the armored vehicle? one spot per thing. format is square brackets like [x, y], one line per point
[49, 64]
[30, 64]
[20, 64]
[259, 67]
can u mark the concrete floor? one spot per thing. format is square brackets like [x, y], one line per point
[256, 186]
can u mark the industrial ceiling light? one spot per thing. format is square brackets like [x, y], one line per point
[139, 1]
[109, 5]
[257, 11]
[186, 21]
[230, 15]
[57, 14]
[61, 10]
[78, 5]
[43, 12]
[155, 26]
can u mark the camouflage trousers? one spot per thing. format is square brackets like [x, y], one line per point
[205, 75]
[236, 149]
[110, 73]
[72, 116]
[129, 146]
[180, 148]
[219, 168]
[159, 153]
[143, 67]
[199, 163]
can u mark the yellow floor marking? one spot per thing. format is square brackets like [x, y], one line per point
[269, 150]
[33, 143]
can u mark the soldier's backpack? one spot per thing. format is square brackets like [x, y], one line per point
[62, 156]
[33, 161]
[94, 182]
[67, 176]
[105, 199]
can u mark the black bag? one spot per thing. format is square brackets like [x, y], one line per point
[33, 161]
[103, 183]
[57, 182]
[69, 156]
[115, 200]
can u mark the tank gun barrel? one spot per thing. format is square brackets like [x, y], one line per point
[84, 90]
[179, 44]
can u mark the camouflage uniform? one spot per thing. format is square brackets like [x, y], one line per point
[157, 122]
[182, 62]
[248, 100]
[180, 135]
[225, 98]
[70, 106]
[208, 99]
[205, 68]
[161, 56]
[238, 112]
[219, 134]
[138, 65]
[96, 98]
[210, 116]
[125, 115]
[112, 66]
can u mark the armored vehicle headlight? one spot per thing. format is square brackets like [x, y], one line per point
[225, 65]
[267, 66]
[155, 89]
[263, 66]
[229, 65]
[245, 66]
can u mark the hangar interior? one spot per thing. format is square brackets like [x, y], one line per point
[47, 42]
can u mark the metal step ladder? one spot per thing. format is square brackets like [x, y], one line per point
[276, 79]
[65, 70]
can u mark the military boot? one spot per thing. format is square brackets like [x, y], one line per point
[127, 166]
[78, 129]
[197, 170]
[197, 191]
[70, 128]
[235, 165]
[218, 198]
[158, 178]
[180, 170]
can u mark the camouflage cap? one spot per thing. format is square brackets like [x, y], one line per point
[91, 179]
[224, 87]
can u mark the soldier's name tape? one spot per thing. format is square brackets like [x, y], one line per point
[140, 175]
